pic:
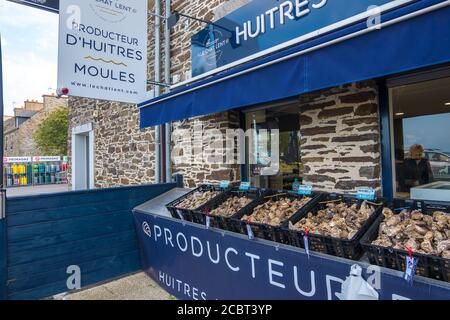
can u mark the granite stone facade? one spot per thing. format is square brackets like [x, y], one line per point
[124, 154]
[185, 139]
[339, 126]
[341, 137]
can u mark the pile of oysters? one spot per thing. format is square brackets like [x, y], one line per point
[337, 220]
[274, 212]
[426, 234]
[197, 199]
[231, 206]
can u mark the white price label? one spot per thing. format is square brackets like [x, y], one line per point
[365, 194]
[245, 186]
[305, 190]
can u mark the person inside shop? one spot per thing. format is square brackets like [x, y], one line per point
[417, 169]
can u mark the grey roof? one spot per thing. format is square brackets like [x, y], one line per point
[25, 113]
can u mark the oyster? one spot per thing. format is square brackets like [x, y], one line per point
[446, 254]
[443, 246]
[426, 246]
[231, 206]
[416, 215]
[427, 234]
[392, 221]
[274, 212]
[411, 243]
[387, 213]
[337, 220]
[197, 199]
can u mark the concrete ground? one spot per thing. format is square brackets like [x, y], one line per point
[35, 190]
[134, 287]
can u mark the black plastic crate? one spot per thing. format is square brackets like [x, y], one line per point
[350, 249]
[428, 266]
[265, 231]
[221, 222]
[188, 214]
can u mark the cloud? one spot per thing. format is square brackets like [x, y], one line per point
[17, 15]
[28, 80]
[30, 51]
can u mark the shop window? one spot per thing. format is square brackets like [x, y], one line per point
[259, 126]
[421, 139]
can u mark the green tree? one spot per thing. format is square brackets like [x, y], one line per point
[51, 135]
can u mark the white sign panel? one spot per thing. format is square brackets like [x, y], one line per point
[103, 49]
[46, 158]
[16, 159]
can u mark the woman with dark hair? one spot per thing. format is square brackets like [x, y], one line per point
[417, 169]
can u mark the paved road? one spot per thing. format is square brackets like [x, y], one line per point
[34, 190]
[135, 287]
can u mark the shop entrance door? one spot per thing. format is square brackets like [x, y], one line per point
[260, 122]
[83, 158]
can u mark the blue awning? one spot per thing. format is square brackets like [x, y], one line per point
[418, 42]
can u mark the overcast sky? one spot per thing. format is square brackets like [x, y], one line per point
[30, 52]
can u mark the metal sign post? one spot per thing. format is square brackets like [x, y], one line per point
[2, 204]
[1, 127]
[3, 239]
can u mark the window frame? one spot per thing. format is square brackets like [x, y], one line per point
[403, 80]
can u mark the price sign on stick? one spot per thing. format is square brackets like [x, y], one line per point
[250, 234]
[306, 241]
[365, 194]
[208, 219]
[225, 184]
[245, 186]
[411, 266]
[305, 190]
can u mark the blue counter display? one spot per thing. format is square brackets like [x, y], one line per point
[193, 263]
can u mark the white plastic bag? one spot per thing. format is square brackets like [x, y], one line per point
[356, 288]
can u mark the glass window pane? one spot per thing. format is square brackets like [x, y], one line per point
[286, 120]
[421, 123]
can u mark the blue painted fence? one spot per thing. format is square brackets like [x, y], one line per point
[48, 233]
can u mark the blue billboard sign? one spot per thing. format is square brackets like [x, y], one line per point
[265, 26]
[48, 5]
[195, 263]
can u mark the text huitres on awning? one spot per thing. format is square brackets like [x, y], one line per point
[413, 37]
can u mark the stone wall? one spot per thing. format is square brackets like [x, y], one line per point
[340, 129]
[124, 154]
[12, 145]
[341, 137]
[197, 171]
[19, 141]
